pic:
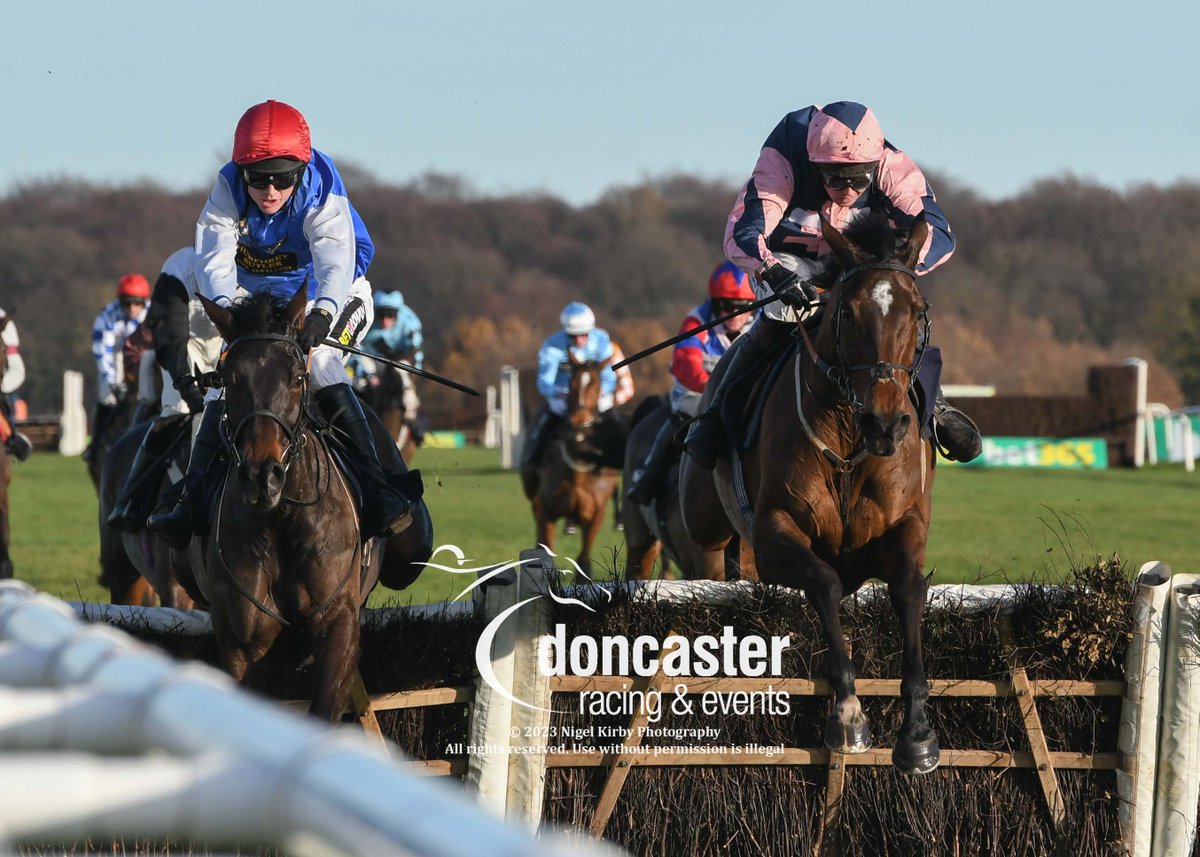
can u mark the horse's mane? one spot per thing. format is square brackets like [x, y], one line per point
[874, 234]
[261, 313]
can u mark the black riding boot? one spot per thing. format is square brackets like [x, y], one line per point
[385, 511]
[178, 524]
[647, 479]
[706, 441]
[18, 445]
[956, 434]
[140, 489]
[535, 441]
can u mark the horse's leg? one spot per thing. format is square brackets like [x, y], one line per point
[902, 551]
[784, 554]
[6, 566]
[335, 644]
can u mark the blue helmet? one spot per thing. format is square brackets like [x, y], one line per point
[389, 300]
[577, 319]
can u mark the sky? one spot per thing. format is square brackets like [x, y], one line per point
[572, 98]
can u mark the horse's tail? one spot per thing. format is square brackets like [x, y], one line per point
[649, 405]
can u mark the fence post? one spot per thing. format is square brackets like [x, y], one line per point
[1137, 739]
[1139, 406]
[511, 784]
[491, 429]
[510, 418]
[1178, 786]
[72, 439]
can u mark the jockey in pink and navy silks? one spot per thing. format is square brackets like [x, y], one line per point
[278, 216]
[828, 161]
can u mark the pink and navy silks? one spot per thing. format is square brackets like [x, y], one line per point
[779, 209]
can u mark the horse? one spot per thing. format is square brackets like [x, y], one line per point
[657, 530]
[127, 410]
[283, 545]
[570, 480]
[6, 566]
[390, 392]
[839, 487]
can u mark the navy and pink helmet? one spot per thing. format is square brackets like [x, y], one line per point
[844, 132]
[729, 282]
[271, 131]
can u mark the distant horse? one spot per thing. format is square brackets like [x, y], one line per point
[839, 486]
[657, 531]
[283, 544]
[391, 394]
[127, 410]
[570, 480]
[6, 566]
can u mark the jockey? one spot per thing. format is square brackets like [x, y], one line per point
[276, 218]
[396, 333]
[183, 338]
[17, 444]
[579, 337]
[830, 161]
[692, 362]
[113, 324]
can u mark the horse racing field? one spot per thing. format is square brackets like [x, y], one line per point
[988, 525]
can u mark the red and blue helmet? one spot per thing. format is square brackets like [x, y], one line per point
[729, 282]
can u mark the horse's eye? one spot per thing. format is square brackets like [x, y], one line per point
[298, 381]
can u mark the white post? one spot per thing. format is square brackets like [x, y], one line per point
[72, 438]
[1178, 785]
[1137, 739]
[1139, 432]
[510, 418]
[491, 429]
[1189, 443]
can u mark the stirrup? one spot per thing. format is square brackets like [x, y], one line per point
[959, 438]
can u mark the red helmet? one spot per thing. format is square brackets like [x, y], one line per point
[133, 286]
[271, 130]
[729, 282]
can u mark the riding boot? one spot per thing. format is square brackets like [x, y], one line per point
[647, 479]
[535, 441]
[706, 441]
[17, 444]
[956, 434]
[140, 489]
[178, 524]
[385, 511]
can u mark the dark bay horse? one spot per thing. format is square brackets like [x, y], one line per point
[283, 544]
[840, 484]
[570, 481]
[657, 531]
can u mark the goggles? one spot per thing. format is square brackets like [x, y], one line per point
[281, 181]
[840, 179]
[724, 306]
[130, 301]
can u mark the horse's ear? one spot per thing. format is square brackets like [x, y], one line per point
[297, 304]
[917, 235]
[220, 316]
[847, 254]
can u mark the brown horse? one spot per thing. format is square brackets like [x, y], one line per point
[570, 481]
[6, 566]
[389, 393]
[284, 544]
[839, 486]
[657, 531]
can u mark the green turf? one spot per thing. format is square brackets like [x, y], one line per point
[989, 525]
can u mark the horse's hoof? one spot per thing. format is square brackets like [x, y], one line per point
[853, 737]
[916, 757]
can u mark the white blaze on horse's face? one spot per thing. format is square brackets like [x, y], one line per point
[882, 293]
[584, 380]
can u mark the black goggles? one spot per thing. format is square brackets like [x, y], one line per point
[724, 306]
[133, 301]
[841, 181]
[281, 181]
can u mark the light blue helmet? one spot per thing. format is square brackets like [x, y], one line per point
[389, 300]
[577, 319]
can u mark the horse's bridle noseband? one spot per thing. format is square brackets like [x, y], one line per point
[290, 432]
[880, 371]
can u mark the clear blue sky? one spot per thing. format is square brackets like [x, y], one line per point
[573, 98]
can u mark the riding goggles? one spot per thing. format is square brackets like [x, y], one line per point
[724, 306]
[840, 181]
[133, 301]
[281, 181]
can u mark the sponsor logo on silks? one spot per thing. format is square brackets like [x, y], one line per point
[485, 573]
[352, 318]
[276, 263]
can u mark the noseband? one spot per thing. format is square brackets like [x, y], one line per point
[880, 371]
[291, 432]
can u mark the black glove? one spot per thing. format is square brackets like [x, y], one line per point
[792, 290]
[316, 328]
[190, 393]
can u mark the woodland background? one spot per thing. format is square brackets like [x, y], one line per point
[1065, 275]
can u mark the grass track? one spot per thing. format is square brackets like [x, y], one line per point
[989, 525]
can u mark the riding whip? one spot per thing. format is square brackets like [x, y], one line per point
[402, 366]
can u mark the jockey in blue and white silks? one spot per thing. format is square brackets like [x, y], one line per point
[397, 330]
[113, 324]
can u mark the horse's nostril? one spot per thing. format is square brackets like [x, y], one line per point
[274, 477]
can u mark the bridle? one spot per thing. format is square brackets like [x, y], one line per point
[881, 371]
[293, 432]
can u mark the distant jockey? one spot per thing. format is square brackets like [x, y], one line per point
[183, 338]
[581, 338]
[830, 161]
[396, 333]
[17, 444]
[277, 217]
[691, 364]
[112, 326]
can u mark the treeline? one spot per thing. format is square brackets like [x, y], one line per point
[1066, 274]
